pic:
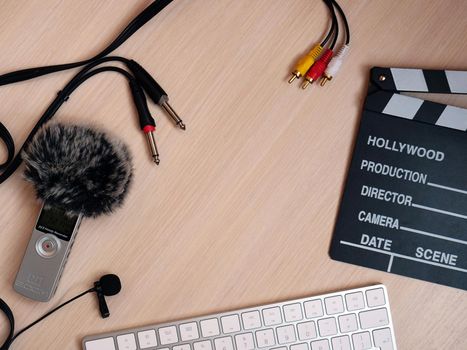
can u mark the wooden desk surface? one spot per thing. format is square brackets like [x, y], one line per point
[241, 210]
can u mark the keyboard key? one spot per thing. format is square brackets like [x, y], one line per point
[272, 316]
[361, 341]
[203, 345]
[374, 318]
[251, 320]
[230, 324]
[168, 335]
[341, 343]
[147, 339]
[126, 342]
[383, 339]
[327, 327]
[348, 323]
[320, 345]
[286, 334]
[354, 301]
[334, 305]
[301, 346]
[313, 308]
[265, 338]
[189, 331]
[375, 297]
[100, 344]
[306, 330]
[182, 347]
[281, 348]
[224, 343]
[245, 341]
[210, 328]
[293, 312]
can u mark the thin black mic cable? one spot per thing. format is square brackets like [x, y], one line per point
[50, 313]
[6, 309]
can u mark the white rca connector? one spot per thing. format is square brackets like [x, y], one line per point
[335, 64]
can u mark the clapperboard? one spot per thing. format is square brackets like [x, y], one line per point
[404, 207]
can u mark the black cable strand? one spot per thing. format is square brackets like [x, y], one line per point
[336, 24]
[344, 19]
[140, 20]
[9, 143]
[49, 313]
[331, 29]
[11, 319]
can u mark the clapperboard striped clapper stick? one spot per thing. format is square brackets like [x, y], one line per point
[404, 208]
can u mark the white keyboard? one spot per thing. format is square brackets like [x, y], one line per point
[355, 319]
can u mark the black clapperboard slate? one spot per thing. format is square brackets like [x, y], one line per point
[404, 207]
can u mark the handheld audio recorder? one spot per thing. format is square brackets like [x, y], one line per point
[47, 253]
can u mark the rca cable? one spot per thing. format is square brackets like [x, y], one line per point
[323, 61]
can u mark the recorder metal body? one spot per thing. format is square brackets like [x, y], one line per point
[47, 253]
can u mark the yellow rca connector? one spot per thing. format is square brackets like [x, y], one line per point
[304, 63]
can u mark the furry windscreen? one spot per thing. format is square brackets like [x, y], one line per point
[79, 169]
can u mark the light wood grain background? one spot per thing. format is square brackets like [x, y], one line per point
[241, 210]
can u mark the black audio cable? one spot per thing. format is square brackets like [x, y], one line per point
[335, 22]
[344, 20]
[336, 63]
[140, 20]
[141, 77]
[333, 25]
[146, 121]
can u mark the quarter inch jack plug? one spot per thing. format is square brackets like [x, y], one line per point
[149, 131]
[155, 92]
[146, 121]
[164, 103]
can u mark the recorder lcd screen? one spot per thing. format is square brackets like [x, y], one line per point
[55, 221]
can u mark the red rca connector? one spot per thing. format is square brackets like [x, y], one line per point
[317, 70]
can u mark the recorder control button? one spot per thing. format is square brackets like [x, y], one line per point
[47, 246]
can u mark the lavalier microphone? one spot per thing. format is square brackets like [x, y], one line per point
[77, 172]
[108, 285]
